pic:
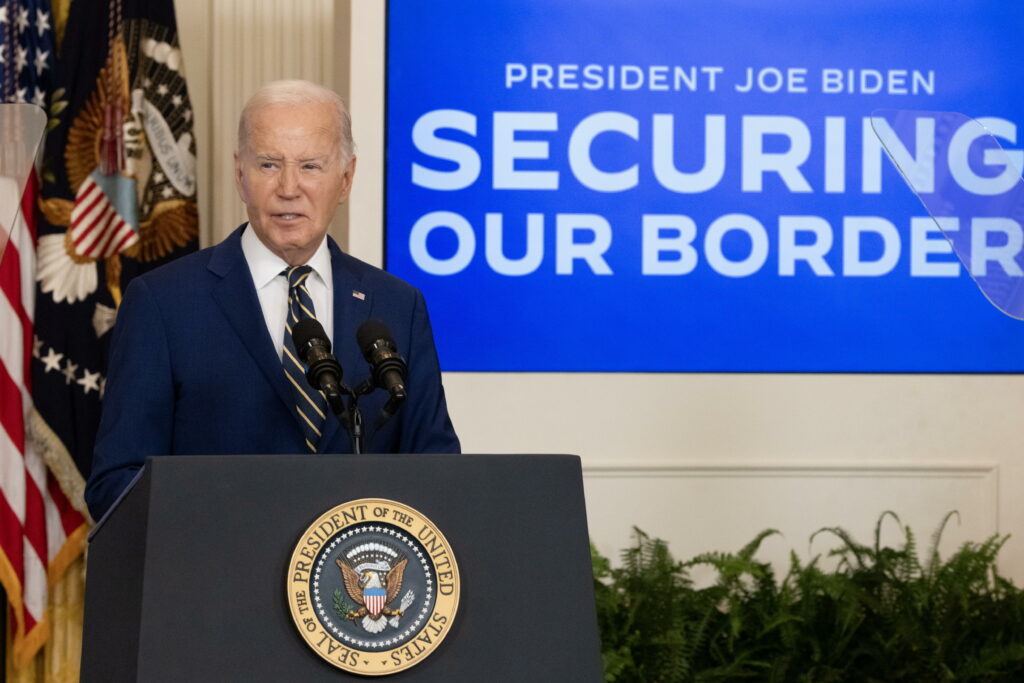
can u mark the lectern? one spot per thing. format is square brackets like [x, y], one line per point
[196, 574]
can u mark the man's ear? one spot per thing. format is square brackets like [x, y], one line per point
[350, 173]
[238, 178]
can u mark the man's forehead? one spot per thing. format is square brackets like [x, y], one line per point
[274, 126]
[264, 141]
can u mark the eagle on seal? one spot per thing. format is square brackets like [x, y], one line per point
[373, 595]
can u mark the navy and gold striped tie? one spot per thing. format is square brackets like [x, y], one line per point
[310, 404]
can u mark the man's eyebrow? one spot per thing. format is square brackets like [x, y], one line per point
[274, 157]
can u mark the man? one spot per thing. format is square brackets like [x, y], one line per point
[201, 359]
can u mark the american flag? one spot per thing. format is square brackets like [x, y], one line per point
[117, 83]
[41, 533]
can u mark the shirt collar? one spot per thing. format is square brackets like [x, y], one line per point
[265, 265]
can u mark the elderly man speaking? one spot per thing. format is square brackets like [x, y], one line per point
[202, 362]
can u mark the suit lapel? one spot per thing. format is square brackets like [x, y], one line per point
[236, 296]
[352, 304]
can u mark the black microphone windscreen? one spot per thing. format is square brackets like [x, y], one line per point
[370, 332]
[307, 330]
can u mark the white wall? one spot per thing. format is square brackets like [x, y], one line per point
[705, 461]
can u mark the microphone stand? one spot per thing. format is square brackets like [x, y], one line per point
[350, 418]
[354, 418]
[356, 423]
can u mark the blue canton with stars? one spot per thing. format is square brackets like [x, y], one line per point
[26, 50]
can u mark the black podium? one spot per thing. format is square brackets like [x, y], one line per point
[187, 574]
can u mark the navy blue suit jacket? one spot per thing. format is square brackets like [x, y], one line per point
[193, 370]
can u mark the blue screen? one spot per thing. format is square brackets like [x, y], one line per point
[689, 186]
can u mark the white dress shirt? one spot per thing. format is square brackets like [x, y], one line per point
[272, 287]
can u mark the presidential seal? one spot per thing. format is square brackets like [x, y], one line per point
[373, 586]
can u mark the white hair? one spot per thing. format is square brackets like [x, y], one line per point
[291, 93]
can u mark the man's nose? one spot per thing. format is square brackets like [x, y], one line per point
[288, 181]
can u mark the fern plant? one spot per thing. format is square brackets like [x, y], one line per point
[879, 615]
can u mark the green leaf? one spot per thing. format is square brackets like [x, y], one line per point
[342, 606]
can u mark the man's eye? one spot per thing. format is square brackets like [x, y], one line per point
[311, 167]
[267, 164]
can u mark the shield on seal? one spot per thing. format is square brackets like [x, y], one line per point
[374, 598]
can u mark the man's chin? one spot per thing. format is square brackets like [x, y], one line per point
[297, 252]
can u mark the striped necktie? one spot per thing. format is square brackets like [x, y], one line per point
[310, 404]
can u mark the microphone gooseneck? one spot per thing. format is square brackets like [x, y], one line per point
[387, 366]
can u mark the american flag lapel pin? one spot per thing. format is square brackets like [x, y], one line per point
[358, 295]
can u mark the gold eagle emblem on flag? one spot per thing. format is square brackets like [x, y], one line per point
[131, 165]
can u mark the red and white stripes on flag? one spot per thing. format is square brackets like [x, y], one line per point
[374, 599]
[41, 533]
[97, 229]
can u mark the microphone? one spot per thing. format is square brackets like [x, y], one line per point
[386, 365]
[314, 349]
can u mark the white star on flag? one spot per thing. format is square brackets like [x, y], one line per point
[52, 360]
[90, 381]
[40, 61]
[69, 371]
[42, 21]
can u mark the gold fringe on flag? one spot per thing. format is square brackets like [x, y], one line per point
[60, 658]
